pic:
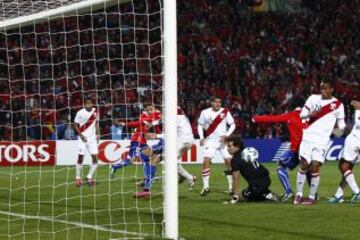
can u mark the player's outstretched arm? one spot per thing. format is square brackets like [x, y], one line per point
[271, 118]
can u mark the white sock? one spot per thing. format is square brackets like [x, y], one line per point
[182, 172]
[300, 180]
[340, 191]
[92, 171]
[206, 177]
[230, 181]
[350, 179]
[78, 170]
[315, 180]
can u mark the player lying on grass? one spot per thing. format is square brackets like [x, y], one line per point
[154, 154]
[351, 156]
[149, 118]
[245, 163]
[87, 128]
[323, 112]
[289, 159]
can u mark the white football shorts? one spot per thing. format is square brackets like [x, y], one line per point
[351, 151]
[311, 151]
[90, 145]
[210, 147]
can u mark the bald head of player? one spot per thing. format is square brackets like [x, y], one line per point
[215, 103]
[88, 104]
[326, 89]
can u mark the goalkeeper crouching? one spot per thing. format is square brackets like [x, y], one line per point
[245, 163]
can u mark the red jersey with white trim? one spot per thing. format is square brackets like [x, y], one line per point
[184, 130]
[293, 122]
[208, 115]
[87, 121]
[327, 113]
[146, 120]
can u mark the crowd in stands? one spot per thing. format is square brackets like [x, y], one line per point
[257, 62]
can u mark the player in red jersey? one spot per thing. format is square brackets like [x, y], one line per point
[149, 118]
[289, 159]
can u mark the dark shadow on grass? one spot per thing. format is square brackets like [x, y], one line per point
[260, 228]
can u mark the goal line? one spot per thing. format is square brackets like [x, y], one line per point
[77, 224]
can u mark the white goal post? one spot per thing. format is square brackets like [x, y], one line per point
[169, 67]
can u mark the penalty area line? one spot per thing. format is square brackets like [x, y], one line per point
[78, 224]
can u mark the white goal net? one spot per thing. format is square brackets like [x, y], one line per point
[55, 54]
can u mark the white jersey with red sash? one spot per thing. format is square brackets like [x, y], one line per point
[215, 123]
[87, 122]
[321, 125]
[184, 130]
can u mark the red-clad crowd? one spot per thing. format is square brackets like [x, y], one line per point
[257, 62]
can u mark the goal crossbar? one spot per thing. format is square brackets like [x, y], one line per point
[77, 7]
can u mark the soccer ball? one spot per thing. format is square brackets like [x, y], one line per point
[250, 155]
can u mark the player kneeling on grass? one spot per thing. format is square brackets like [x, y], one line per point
[87, 127]
[245, 163]
[351, 155]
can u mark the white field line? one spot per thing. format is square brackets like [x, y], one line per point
[78, 224]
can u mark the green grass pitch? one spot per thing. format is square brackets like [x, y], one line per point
[45, 204]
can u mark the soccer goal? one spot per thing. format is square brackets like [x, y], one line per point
[54, 55]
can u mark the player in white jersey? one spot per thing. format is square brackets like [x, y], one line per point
[87, 127]
[215, 121]
[351, 156]
[185, 142]
[322, 112]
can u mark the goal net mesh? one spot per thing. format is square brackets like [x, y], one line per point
[110, 51]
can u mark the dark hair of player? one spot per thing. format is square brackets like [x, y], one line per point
[213, 98]
[237, 141]
[147, 104]
[329, 82]
[88, 99]
[297, 102]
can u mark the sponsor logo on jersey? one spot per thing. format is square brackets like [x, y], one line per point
[332, 106]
